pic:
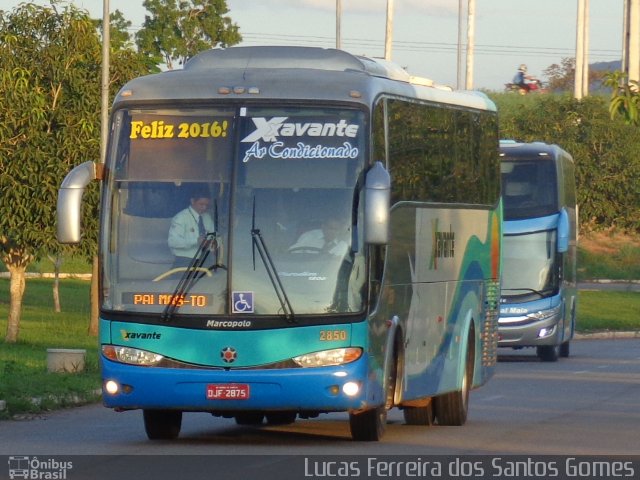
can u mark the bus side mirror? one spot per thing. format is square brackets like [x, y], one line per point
[563, 231]
[377, 198]
[70, 201]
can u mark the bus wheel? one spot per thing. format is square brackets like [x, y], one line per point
[419, 415]
[368, 426]
[547, 353]
[281, 418]
[451, 408]
[249, 418]
[564, 349]
[162, 424]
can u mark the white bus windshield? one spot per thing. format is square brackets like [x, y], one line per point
[276, 189]
[529, 188]
[530, 268]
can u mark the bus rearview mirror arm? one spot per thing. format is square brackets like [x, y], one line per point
[563, 231]
[70, 201]
[377, 199]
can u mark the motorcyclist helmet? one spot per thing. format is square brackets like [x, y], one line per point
[522, 68]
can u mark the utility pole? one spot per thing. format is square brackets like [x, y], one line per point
[585, 53]
[578, 88]
[338, 19]
[104, 133]
[633, 47]
[624, 64]
[471, 32]
[459, 80]
[388, 40]
[104, 87]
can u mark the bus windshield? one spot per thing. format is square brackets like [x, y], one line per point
[529, 266]
[248, 211]
[529, 188]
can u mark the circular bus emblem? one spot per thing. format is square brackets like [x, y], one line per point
[229, 354]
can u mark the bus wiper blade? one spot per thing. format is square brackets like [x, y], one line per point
[537, 292]
[191, 275]
[272, 272]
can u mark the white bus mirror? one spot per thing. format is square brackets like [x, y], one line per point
[377, 198]
[563, 231]
[70, 201]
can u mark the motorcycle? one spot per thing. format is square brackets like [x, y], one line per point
[534, 86]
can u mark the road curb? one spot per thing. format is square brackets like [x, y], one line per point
[610, 335]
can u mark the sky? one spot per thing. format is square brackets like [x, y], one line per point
[538, 33]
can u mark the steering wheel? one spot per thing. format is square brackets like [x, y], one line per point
[303, 249]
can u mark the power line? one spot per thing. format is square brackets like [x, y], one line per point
[419, 46]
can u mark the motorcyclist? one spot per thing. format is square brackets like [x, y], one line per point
[521, 77]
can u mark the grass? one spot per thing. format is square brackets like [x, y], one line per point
[609, 255]
[25, 384]
[70, 264]
[608, 311]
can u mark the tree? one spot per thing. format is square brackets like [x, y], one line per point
[178, 29]
[48, 122]
[561, 78]
[624, 97]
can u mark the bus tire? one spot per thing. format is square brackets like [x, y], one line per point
[368, 426]
[451, 408]
[419, 415]
[547, 353]
[162, 424]
[564, 349]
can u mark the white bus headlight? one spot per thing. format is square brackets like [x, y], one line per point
[132, 356]
[544, 314]
[325, 358]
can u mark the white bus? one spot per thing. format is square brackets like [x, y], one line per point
[539, 297]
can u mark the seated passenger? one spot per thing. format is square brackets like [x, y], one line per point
[329, 239]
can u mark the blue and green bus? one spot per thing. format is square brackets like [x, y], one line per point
[539, 297]
[401, 312]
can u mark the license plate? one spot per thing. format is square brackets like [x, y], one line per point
[228, 392]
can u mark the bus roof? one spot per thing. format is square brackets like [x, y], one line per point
[290, 73]
[515, 150]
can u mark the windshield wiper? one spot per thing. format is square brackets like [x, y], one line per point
[272, 272]
[537, 292]
[192, 273]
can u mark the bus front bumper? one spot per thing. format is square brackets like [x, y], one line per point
[323, 389]
[530, 332]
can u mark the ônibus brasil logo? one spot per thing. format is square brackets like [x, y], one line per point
[271, 130]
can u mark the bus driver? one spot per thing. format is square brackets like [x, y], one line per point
[189, 228]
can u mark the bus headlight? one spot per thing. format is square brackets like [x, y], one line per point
[544, 314]
[325, 358]
[132, 356]
[111, 387]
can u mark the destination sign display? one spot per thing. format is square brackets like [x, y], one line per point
[196, 300]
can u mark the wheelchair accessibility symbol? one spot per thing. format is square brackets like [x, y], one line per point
[242, 302]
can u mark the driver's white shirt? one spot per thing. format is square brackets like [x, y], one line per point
[314, 239]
